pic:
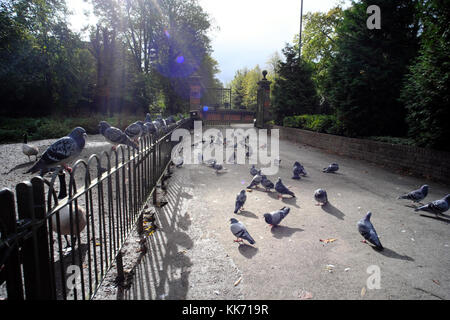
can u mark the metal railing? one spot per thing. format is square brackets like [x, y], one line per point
[112, 188]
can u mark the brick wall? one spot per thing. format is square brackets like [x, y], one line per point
[421, 162]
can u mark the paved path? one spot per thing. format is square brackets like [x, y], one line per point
[198, 259]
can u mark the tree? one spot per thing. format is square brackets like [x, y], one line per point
[426, 90]
[366, 74]
[293, 91]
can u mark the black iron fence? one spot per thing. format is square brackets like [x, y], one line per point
[95, 212]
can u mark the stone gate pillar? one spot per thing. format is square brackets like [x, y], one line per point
[194, 95]
[263, 114]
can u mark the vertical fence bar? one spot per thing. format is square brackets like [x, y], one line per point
[47, 290]
[14, 286]
[31, 270]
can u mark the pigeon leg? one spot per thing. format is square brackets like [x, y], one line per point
[318, 204]
[280, 196]
[68, 169]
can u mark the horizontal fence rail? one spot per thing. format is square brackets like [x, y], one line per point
[59, 237]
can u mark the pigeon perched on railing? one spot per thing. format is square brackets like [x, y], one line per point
[253, 170]
[331, 168]
[134, 131]
[281, 189]
[148, 118]
[28, 149]
[257, 178]
[151, 129]
[115, 136]
[437, 206]
[416, 195]
[61, 152]
[274, 218]
[240, 232]
[266, 183]
[240, 200]
[367, 230]
[321, 197]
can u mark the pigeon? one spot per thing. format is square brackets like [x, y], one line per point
[115, 136]
[64, 215]
[416, 195]
[321, 197]
[331, 168]
[298, 169]
[150, 127]
[134, 131]
[148, 118]
[253, 170]
[216, 166]
[281, 189]
[437, 207]
[28, 149]
[277, 162]
[240, 200]
[367, 230]
[239, 230]
[274, 218]
[266, 183]
[61, 152]
[256, 180]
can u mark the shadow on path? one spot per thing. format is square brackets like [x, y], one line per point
[280, 232]
[329, 208]
[392, 254]
[247, 250]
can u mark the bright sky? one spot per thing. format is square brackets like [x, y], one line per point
[245, 33]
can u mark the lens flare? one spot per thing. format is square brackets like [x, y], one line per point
[205, 108]
[180, 59]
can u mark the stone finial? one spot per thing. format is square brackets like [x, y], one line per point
[264, 73]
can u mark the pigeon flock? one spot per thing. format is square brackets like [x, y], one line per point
[66, 149]
[365, 227]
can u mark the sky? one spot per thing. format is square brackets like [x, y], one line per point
[245, 33]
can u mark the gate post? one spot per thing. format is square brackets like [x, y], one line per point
[263, 113]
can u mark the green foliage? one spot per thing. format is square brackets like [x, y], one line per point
[426, 90]
[394, 140]
[366, 73]
[244, 88]
[293, 91]
[314, 122]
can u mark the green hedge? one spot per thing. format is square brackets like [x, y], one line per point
[12, 129]
[314, 122]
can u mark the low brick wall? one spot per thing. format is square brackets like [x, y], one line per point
[421, 162]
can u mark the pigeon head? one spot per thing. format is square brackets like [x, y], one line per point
[148, 118]
[368, 215]
[447, 198]
[279, 179]
[297, 164]
[102, 126]
[233, 220]
[268, 218]
[25, 138]
[78, 134]
[286, 209]
[424, 188]
[243, 191]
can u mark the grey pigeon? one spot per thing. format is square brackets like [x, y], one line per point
[240, 200]
[416, 195]
[115, 136]
[321, 197]
[216, 166]
[437, 206]
[281, 189]
[367, 230]
[150, 127]
[28, 149]
[253, 170]
[298, 170]
[266, 183]
[256, 180]
[61, 152]
[331, 168]
[134, 131]
[148, 118]
[274, 218]
[239, 230]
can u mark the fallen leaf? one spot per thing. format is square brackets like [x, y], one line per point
[328, 240]
[98, 244]
[437, 282]
[363, 291]
[304, 295]
[238, 281]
